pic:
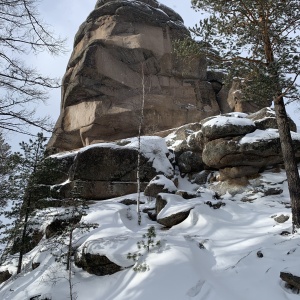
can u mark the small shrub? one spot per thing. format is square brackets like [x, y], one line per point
[147, 243]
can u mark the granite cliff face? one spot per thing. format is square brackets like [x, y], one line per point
[123, 48]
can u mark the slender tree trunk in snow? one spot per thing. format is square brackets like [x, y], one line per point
[289, 159]
[139, 148]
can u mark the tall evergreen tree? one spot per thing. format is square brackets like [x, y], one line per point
[23, 183]
[8, 162]
[258, 41]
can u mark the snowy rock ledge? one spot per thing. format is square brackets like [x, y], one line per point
[105, 170]
[173, 209]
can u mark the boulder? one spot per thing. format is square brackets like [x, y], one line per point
[159, 184]
[55, 168]
[201, 177]
[173, 209]
[97, 264]
[266, 118]
[292, 280]
[237, 103]
[104, 256]
[281, 218]
[195, 141]
[4, 275]
[190, 162]
[232, 186]
[185, 138]
[226, 126]
[237, 172]
[57, 226]
[160, 203]
[258, 149]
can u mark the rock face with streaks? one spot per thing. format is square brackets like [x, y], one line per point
[123, 54]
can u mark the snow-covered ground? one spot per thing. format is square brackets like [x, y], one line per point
[212, 255]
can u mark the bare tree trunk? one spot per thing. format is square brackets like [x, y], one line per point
[69, 263]
[23, 241]
[70, 282]
[289, 159]
[69, 254]
[139, 148]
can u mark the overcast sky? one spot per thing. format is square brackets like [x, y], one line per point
[65, 17]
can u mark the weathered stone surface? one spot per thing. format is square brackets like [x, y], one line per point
[55, 169]
[226, 126]
[290, 279]
[159, 184]
[273, 191]
[32, 238]
[239, 151]
[101, 95]
[160, 203]
[105, 170]
[232, 186]
[5, 275]
[57, 226]
[281, 219]
[186, 195]
[190, 162]
[237, 172]
[202, 177]
[98, 190]
[196, 141]
[106, 163]
[96, 264]
[266, 118]
[172, 219]
[237, 103]
[104, 256]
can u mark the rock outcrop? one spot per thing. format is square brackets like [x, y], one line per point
[169, 218]
[237, 144]
[122, 53]
[104, 170]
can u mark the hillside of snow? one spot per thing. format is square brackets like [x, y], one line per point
[235, 252]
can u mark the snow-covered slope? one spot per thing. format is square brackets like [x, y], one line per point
[235, 252]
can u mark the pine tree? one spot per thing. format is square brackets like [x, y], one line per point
[258, 41]
[24, 181]
[72, 216]
[8, 162]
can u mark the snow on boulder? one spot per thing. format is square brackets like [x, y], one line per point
[108, 170]
[266, 118]
[260, 148]
[159, 184]
[227, 126]
[173, 209]
[103, 256]
[118, 161]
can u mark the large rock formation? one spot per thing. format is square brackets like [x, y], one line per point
[123, 48]
[102, 171]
